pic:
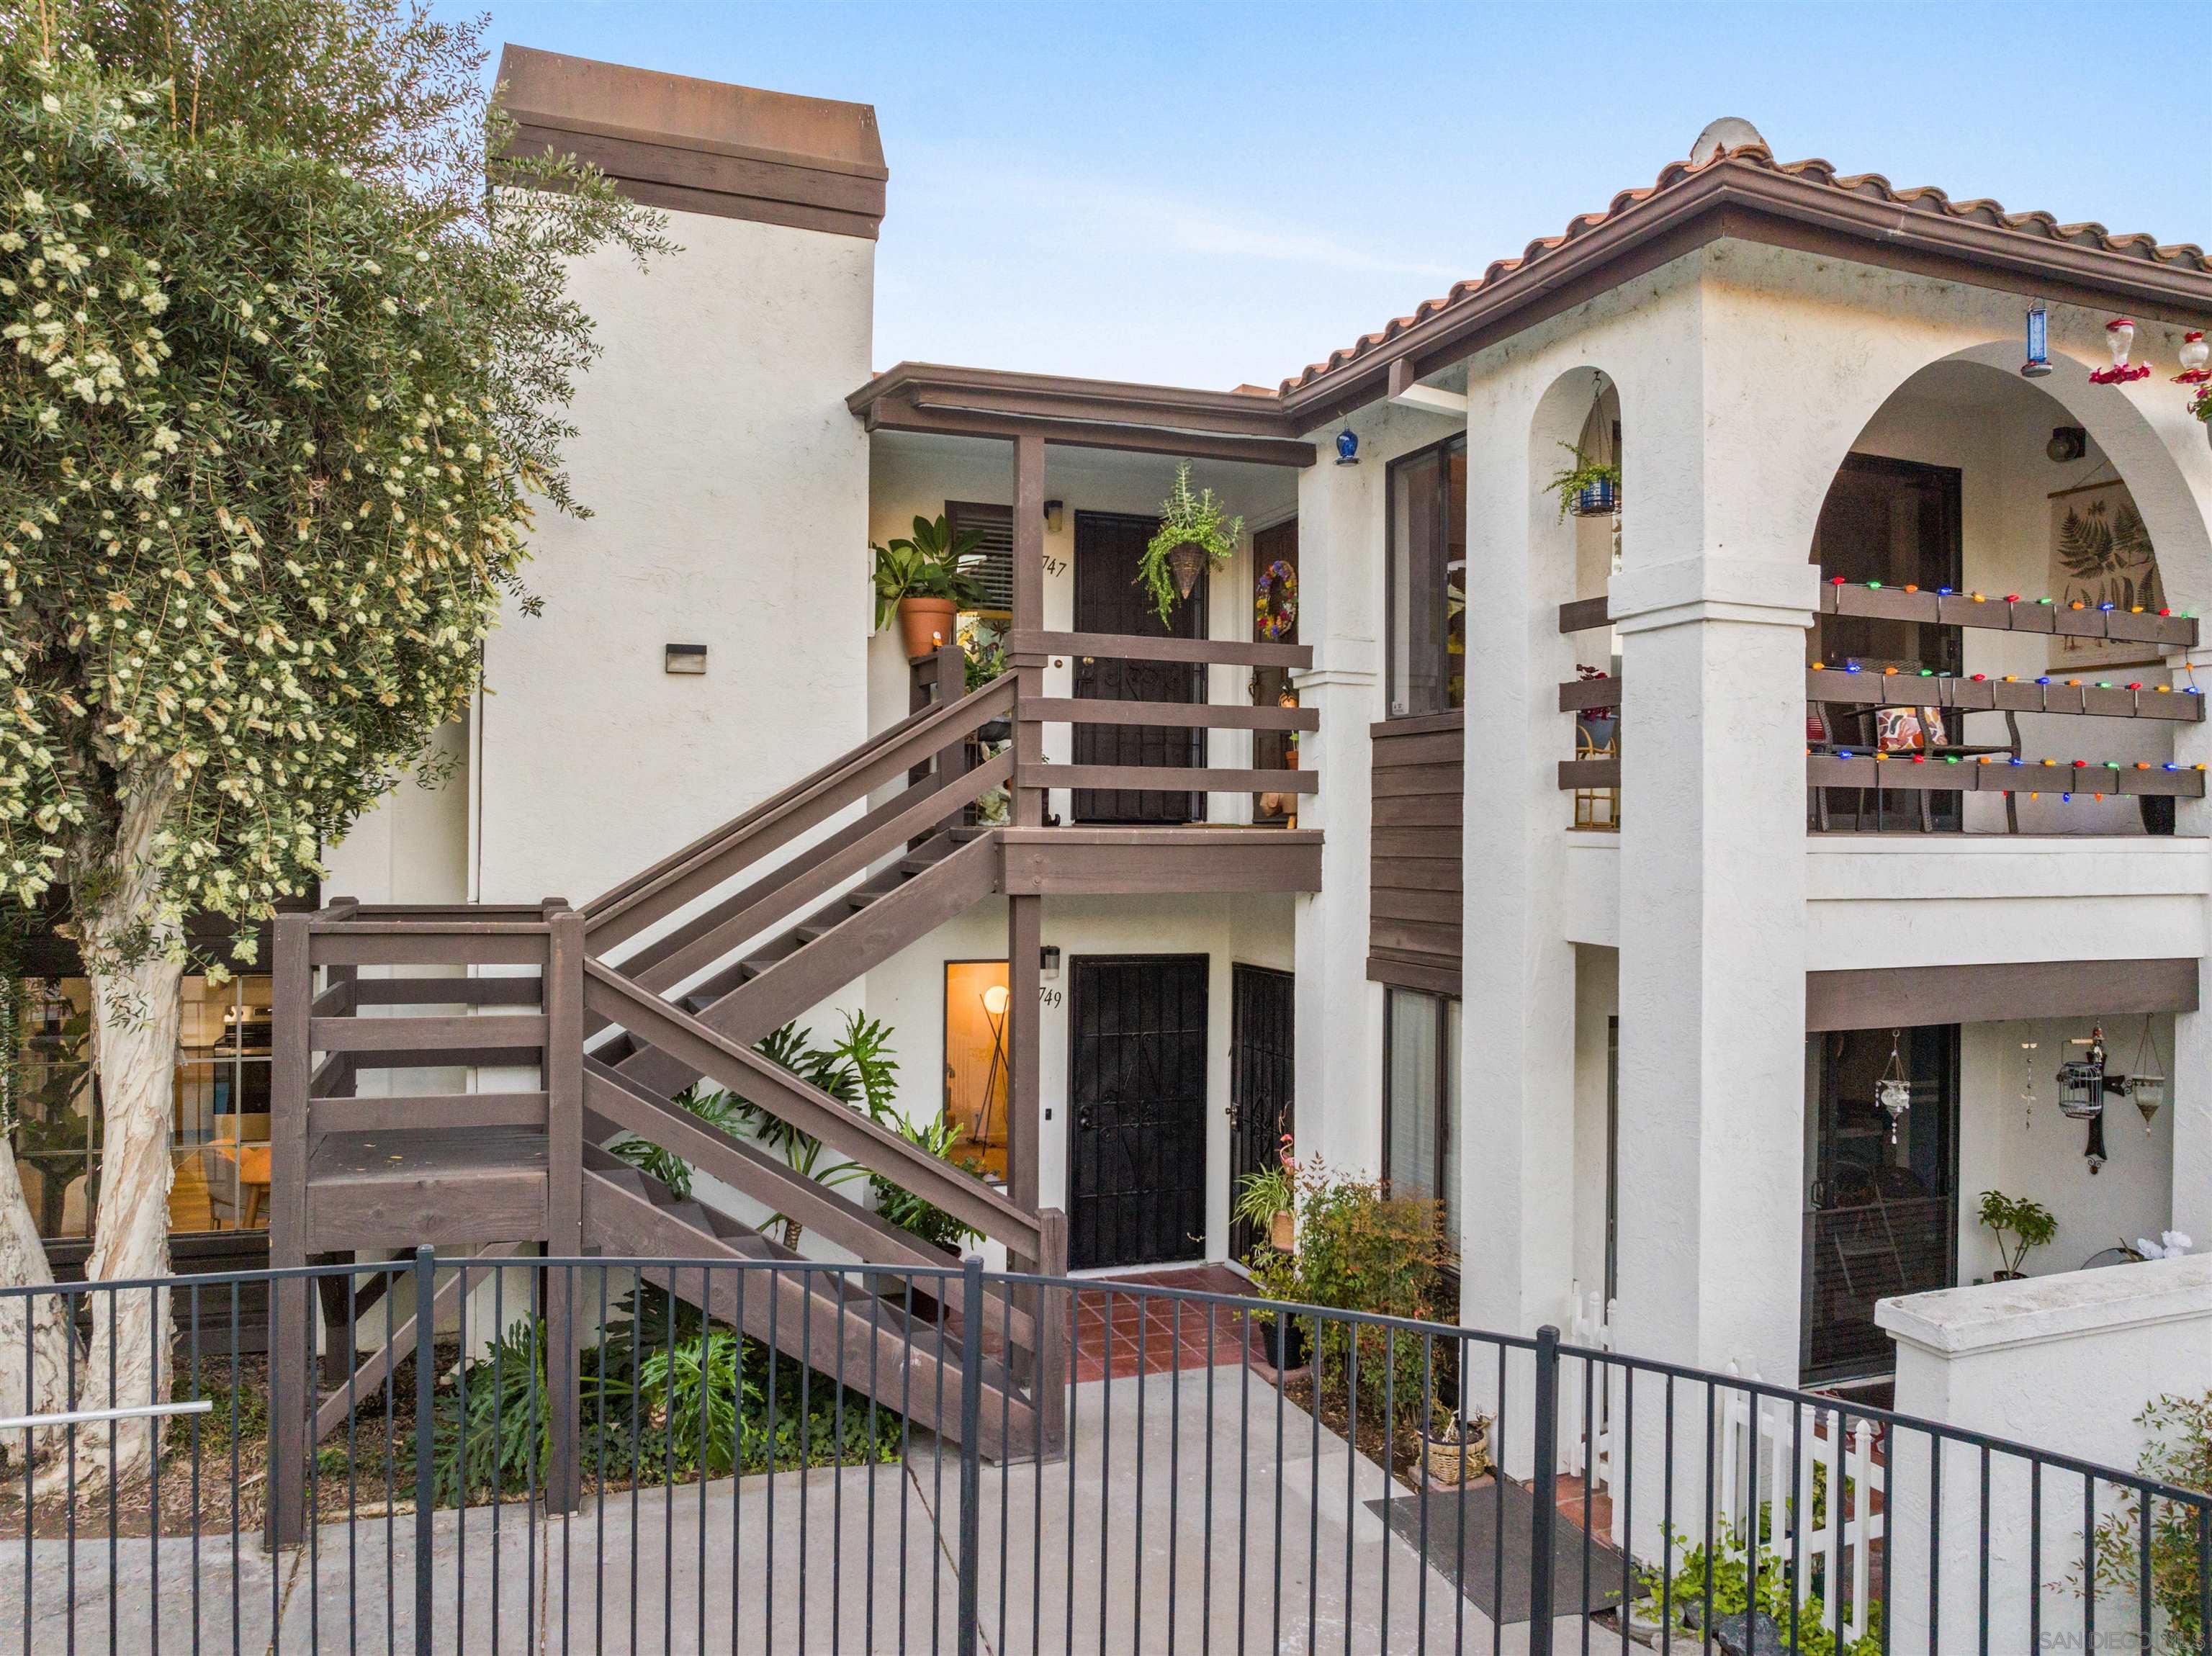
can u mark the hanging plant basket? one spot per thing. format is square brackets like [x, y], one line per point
[1186, 564]
[1597, 498]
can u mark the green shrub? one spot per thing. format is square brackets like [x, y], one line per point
[2179, 1452]
[1359, 1248]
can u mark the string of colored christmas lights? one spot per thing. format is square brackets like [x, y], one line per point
[2015, 598]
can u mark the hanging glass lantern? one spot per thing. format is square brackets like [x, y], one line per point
[2082, 1081]
[2147, 1086]
[1893, 1092]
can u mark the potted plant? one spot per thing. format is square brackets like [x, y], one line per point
[1454, 1455]
[926, 580]
[2027, 1224]
[1597, 724]
[1267, 1200]
[1194, 535]
[1589, 489]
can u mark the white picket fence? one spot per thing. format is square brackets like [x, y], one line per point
[1817, 1473]
[1586, 1443]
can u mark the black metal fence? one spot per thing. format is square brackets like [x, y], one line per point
[747, 1472]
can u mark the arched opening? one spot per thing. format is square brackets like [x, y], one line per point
[1991, 657]
[1575, 450]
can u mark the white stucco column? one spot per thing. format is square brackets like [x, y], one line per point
[1516, 1128]
[1338, 1077]
[2190, 1087]
[1712, 950]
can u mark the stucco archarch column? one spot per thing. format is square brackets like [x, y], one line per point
[1712, 956]
[2192, 1088]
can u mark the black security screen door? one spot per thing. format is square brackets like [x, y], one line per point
[1136, 1127]
[1262, 1053]
[1881, 1217]
[1108, 600]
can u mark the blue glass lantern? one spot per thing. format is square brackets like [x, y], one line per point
[1347, 447]
[2038, 342]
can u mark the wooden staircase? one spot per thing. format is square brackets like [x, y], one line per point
[616, 1020]
[668, 979]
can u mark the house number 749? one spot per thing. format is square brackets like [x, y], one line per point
[1048, 996]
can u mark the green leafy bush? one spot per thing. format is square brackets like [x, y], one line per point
[1359, 1248]
[2179, 1452]
[933, 563]
[1725, 1570]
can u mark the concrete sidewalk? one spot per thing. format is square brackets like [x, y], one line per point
[1200, 1511]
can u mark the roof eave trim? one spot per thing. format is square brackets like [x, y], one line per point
[1442, 337]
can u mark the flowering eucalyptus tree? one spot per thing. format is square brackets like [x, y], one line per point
[279, 379]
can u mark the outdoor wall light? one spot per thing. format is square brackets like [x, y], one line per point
[2067, 443]
[685, 658]
[1056, 513]
[2038, 342]
[1048, 960]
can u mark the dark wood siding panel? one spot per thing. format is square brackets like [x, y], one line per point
[1415, 881]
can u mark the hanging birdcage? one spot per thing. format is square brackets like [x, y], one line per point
[2147, 1086]
[2082, 1081]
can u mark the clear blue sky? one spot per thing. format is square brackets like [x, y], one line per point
[1205, 193]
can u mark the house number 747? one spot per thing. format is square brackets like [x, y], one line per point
[1054, 566]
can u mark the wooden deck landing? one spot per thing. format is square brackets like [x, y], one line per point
[1092, 861]
[454, 1186]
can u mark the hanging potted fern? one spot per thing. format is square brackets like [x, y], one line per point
[1193, 535]
[1589, 489]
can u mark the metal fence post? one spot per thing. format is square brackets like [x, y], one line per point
[426, 1388]
[1543, 1514]
[971, 1456]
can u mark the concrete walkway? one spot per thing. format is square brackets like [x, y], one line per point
[1164, 1525]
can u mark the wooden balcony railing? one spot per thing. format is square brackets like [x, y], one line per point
[1035, 777]
[1959, 767]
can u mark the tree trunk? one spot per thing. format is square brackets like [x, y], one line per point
[134, 961]
[34, 1332]
[135, 1013]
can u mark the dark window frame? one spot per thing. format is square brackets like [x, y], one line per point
[1392, 690]
[1448, 1008]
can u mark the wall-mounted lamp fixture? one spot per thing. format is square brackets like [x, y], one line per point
[2038, 342]
[2067, 443]
[1048, 960]
[1347, 445]
[685, 658]
[1056, 513]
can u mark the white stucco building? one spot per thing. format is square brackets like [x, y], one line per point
[1621, 994]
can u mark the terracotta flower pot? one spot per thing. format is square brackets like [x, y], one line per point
[1185, 563]
[927, 623]
[1282, 1233]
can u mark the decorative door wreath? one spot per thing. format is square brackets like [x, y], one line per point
[1275, 600]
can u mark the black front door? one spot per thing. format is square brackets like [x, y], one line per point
[1108, 600]
[1136, 1150]
[1883, 1208]
[1259, 1081]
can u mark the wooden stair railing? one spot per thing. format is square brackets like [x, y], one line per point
[628, 909]
[791, 1100]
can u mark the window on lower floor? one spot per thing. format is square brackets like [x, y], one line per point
[219, 1109]
[1420, 1101]
[975, 1073]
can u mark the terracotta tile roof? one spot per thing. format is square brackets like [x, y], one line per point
[1870, 187]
